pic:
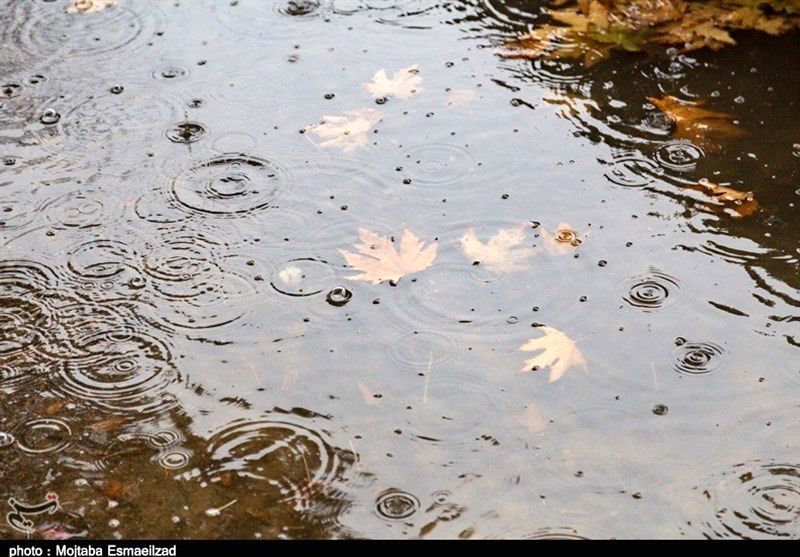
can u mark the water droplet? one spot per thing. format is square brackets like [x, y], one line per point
[338, 296]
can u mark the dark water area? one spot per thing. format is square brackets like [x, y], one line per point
[184, 352]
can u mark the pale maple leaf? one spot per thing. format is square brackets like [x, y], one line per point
[403, 84]
[90, 6]
[378, 260]
[555, 351]
[503, 253]
[562, 242]
[347, 130]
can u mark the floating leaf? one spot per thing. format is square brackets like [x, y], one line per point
[378, 260]
[702, 127]
[532, 419]
[90, 6]
[736, 203]
[107, 425]
[503, 253]
[556, 352]
[403, 84]
[346, 131]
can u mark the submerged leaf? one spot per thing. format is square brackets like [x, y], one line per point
[532, 419]
[702, 127]
[736, 203]
[503, 253]
[346, 131]
[555, 351]
[403, 84]
[378, 260]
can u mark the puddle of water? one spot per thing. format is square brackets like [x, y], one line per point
[178, 325]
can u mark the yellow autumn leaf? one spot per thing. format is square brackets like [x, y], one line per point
[403, 84]
[502, 253]
[379, 261]
[554, 351]
[705, 128]
[90, 6]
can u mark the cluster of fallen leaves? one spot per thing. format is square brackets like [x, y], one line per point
[380, 258]
[349, 129]
[591, 30]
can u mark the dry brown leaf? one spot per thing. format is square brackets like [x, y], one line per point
[532, 419]
[379, 261]
[90, 6]
[107, 425]
[403, 84]
[555, 351]
[503, 253]
[592, 29]
[562, 242]
[55, 407]
[346, 131]
[705, 128]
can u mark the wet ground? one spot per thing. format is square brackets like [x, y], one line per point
[183, 353]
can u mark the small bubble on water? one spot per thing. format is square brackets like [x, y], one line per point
[338, 296]
[49, 117]
[660, 409]
[116, 89]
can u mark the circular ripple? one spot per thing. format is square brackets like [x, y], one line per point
[420, 350]
[680, 156]
[632, 171]
[84, 209]
[164, 439]
[170, 73]
[186, 132]
[103, 268]
[651, 291]
[256, 18]
[6, 439]
[174, 459]
[122, 371]
[44, 30]
[436, 164]
[43, 436]
[394, 504]
[303, 277]
[16, 214]
[291, 458]
[756, 501]
[232, 184]
[698, 358]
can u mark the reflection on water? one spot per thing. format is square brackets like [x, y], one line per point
[178, 323]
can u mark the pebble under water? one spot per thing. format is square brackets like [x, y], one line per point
[184, 350]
